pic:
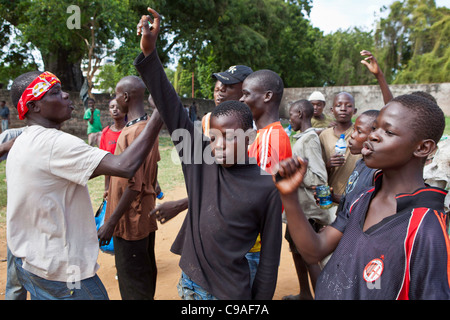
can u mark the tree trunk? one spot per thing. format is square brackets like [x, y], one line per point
[68, 72]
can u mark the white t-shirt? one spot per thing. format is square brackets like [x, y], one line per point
[50, 220]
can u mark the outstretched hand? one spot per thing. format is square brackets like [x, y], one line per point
[290, 175]
[165, 211]
[149, 30]
[370, 62]
[372, 65]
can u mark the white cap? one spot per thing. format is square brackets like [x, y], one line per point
[316, 95]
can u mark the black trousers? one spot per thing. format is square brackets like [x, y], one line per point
[136, 267]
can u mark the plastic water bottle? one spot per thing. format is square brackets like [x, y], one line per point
[341, 145]
[288, 130]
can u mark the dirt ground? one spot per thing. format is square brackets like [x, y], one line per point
[167, 262]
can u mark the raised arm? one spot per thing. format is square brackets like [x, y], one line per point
[152, 73]
[312, 246]
[372, 65]
[149, 31]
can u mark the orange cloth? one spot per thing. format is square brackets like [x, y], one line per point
[272, 145]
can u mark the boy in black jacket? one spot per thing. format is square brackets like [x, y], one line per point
[230, 201]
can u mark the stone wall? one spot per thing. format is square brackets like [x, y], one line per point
[78, 127]
[366, 97]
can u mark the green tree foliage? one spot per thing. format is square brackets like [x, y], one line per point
[109, 76]
[413, 42]
[295, 49]
[16, 58]
[211, 36]
[43, 23]
[342, 52]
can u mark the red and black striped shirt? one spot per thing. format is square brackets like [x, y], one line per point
[404, 256]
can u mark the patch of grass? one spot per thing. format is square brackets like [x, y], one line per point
[96, 188]
[170, 174]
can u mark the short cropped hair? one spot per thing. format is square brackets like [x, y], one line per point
[429, 119]
[371, 113]
[425, 95]
[305, 107]
[20, 84]
[269, 81]
[239, 110]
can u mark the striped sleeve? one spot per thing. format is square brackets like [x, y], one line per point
[271, 146]
[427, 266]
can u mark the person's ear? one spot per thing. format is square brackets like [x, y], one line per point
[355, 110]
[268, 96]
[425, 148]
[33, 106]
[126, 96]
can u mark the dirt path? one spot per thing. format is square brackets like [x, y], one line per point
[167, 262]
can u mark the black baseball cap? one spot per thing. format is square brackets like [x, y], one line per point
[234, 74]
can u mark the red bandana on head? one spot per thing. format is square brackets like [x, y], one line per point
[35, 91]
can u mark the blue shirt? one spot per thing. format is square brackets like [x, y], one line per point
[4, 112]
[361, 178]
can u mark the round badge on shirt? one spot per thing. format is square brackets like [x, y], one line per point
[373, 270]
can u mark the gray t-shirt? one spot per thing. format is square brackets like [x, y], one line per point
[50, 220]
[7, 135]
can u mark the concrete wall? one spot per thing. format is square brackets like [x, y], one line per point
[367, 97]
[78, 127]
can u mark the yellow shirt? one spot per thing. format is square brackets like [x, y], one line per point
[321, 124]
[337, 176]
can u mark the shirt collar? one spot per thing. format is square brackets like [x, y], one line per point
[301, 133]
[426, 197]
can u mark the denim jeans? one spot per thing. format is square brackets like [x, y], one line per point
[189, 290]
[253, 262]
[14, 289]
[5, 124]
[42, 289]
